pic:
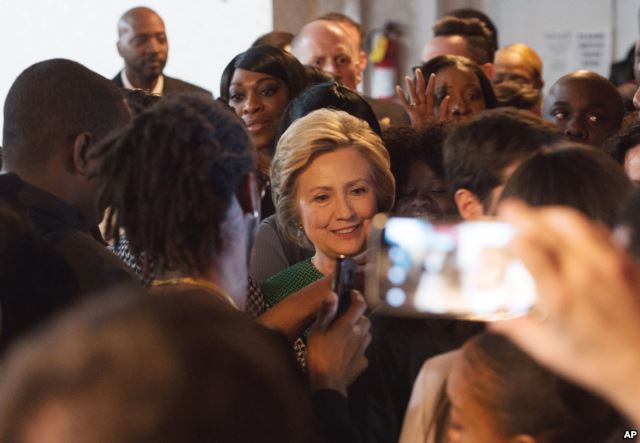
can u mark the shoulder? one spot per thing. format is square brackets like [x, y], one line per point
[173, 85]
[290, 280]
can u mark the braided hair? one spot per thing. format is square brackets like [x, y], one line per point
[169, 177]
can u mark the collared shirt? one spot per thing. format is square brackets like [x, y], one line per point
[157, 89]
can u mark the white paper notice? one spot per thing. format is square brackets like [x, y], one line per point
[568, 50]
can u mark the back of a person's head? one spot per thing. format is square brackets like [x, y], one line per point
[573, 175]
[170, 176]
[407, 144]
[484, 18]
[172, 368]
[477, 152]
[52, 102]
[139, 100]
[515, 94]
[524, 398]
[332, 95]
[479, 43]
[627, 138]
[278, 39]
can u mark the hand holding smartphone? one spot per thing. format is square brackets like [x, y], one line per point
[344, 282]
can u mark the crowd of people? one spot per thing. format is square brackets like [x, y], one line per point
[167, 258]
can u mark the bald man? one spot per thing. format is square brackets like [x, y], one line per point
[333, 45]
[586, 107]
[143, 44]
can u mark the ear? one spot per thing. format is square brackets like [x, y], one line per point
[363, 60]
[79, 154]
[469, 206]
[488, 70]
[118, 47]
[249, 196]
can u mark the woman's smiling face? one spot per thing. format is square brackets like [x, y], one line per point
[336, 200]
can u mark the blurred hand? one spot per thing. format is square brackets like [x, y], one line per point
[420, 108]
[588, 327]
[335, 349]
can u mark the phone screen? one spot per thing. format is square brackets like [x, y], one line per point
[461, 270]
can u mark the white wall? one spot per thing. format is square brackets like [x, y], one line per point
[628, 27]
[203, 35]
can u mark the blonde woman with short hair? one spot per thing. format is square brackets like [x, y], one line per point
[330, 175]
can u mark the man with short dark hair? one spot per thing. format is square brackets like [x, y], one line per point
[55, 111]
[481, 154]
[467, 37]
[143, 44]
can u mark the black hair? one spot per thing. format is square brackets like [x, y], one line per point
[573, 175]
[625, 139]
[278, 39]
[316, 75]
[50, 103]
[407, 146]
[330, 95]
[266, 60]
[484, 18]
[477, 151]
[478, 37]
[139, 100]
[463, 63]
[517, 94]
[169, 179]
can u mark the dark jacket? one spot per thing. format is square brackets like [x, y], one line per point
[171, 85]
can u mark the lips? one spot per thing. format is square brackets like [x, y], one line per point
[257, 125]
[347, 232]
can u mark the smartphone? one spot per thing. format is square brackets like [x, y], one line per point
[344, 282]
[460, 270]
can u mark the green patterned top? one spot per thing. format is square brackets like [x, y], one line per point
[292, 279]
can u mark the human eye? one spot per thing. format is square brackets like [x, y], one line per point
[559, 114]
[318, 62]
[359, 190]
[236, 96]
[343, 60]
[595, 119]
[474, 94]
[162, 37]
[139, 40]
[320, 198]
[269, 90]
[440, 94]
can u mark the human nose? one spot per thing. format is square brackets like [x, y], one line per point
[252, 104]
[459, 108]
[331, 67]
[344, 208]
[575, 129]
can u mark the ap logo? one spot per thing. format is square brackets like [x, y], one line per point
[630, 434]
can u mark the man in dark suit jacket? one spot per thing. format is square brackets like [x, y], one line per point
[143, 44]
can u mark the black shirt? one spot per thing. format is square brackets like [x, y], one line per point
[94, 267]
